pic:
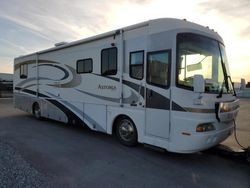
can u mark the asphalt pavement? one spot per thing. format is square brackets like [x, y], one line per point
[51, 154]
[242, 125]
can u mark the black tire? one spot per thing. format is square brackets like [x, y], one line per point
[37, 111]
[126, 131]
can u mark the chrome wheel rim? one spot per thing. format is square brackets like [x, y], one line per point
[126, 130]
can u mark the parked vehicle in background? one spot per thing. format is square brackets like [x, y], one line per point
[6, 85]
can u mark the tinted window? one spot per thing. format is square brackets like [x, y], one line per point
[84, 66]
[136, 64]
[24, 71]
[157, 68]
[109, 61]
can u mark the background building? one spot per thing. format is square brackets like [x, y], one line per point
[242, 89]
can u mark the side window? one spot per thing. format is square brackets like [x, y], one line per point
[158, 66]
[109, 61]
[84, 66]
[136, 65]
[24, 71]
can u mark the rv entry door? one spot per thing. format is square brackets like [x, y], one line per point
[158, 94]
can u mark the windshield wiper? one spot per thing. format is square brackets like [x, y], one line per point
[221, 90]
[227, 86]
[232, 85]
[225, 81]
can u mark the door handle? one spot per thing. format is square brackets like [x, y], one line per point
[150, 93]
[133, 104]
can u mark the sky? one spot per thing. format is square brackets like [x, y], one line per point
[27, 26]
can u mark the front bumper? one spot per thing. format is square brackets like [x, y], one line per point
[201, 141]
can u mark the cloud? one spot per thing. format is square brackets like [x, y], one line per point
[21, 48]
[27, 26]
[61, 20]
[234, 12]
[232, 20]
[246, 32]
[51, 20]
[140, 1]
[6, 64]
[17, 40]
[232, 9]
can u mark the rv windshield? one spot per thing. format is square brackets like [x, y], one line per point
[197, 54]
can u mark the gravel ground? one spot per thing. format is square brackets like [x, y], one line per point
[16, 172]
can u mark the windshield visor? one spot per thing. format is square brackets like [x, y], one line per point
[197, 54]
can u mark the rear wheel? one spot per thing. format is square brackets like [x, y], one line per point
[37, 111]
[126, 132]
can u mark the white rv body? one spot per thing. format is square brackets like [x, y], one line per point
[166, 117]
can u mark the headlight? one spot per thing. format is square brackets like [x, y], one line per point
[224, 107]
[205, 127]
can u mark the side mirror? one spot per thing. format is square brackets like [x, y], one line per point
[199, 84]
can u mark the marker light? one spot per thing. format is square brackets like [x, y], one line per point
[204, 127]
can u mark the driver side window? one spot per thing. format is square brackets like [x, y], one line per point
[158, 66]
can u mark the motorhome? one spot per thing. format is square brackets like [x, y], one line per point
[163, 82]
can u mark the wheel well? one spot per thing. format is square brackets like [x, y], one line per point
[117, 119]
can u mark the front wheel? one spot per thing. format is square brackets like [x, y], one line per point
[126, 132]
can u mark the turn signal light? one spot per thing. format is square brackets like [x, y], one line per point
[224, 108]
[204, 127]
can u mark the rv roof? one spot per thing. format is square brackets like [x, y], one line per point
[156, 25]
